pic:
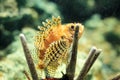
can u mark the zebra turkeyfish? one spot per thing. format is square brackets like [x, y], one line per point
[52, 43]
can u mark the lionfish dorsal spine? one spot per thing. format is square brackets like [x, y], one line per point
[45, 30]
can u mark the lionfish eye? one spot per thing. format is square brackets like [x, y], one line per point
[72, 27]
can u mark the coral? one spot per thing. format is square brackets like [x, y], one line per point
[8, 9]
[13, 63]
[80, 10]
[106, 35]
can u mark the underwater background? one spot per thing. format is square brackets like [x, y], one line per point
[101, 19]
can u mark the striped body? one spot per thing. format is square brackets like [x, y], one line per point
[60, 50]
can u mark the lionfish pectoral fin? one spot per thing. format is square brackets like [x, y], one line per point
[41, 65]
[52, 69]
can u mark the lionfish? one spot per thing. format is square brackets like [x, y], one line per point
[53, 42]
